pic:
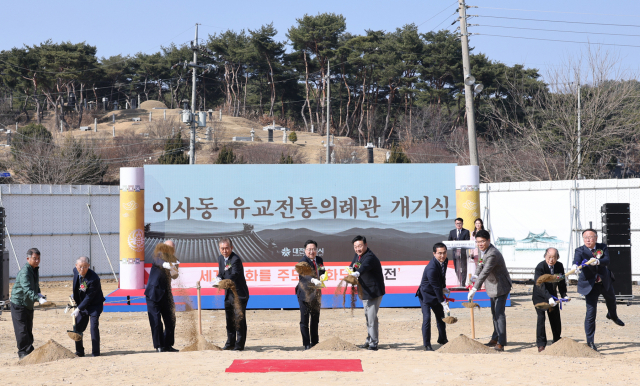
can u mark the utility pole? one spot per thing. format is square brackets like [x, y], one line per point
[192, 141]
[328, 113]
[579, 130]
[468, 89]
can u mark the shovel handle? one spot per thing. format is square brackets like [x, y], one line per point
[473, 325]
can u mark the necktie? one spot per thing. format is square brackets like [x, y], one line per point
[444, 269]
[458, 234]
[315, 267]
[551, 269]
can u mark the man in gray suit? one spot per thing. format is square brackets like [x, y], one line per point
[498, 285]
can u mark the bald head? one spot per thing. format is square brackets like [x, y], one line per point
[170, 243]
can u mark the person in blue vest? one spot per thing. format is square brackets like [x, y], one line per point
[160, 305]
[309, 298]
[87, 293]
[432, 292]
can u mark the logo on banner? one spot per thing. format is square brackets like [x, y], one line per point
[470, 205]
[131, 205]
[286, 252]
[136, 240]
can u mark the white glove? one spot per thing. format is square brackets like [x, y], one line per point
[349, 271]
[593, 261]
[315, 281]
[577, 268]
[215, 282]
[567, 298]
[472, 292]
[552, 302]
[42, 301]
[356, 274]
[166, 265]
[75, 312]
[445, 306]
[446, 291]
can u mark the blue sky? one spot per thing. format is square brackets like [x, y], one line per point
[128, 27]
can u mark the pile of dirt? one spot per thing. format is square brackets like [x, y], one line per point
[51, 351]
[567, 347]
[148, 105]
[464, 345]
[335, 344]
[201, 344]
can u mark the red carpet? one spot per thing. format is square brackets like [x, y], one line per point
[293, 366]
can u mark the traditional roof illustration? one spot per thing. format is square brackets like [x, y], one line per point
[540, 238]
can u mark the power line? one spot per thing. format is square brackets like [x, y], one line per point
[558, 40]
[455, 2]
[570, 13]
[561, 21]
[557, 30]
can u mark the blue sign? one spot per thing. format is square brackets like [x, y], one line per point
[5, 174]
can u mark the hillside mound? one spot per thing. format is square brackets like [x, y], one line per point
[148, 105]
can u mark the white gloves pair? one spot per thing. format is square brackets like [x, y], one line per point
[42, 299]
[472, 293]
[75, 312]
[356, 274]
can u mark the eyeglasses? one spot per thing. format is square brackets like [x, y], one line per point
[310, 249]
[590, 237]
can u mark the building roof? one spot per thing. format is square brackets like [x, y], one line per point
[540, 238]
[203, 248]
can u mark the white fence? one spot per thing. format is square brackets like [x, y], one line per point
[55, 219]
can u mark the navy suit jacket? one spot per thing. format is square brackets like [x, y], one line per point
[433, 281]
[236, 274]
[371, 280]
[305, 281]
[464, 235]
[158, 283]
[92, 297]
[587, 278]
[541, 294]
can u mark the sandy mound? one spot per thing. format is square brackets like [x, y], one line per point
[335, 344]
[148, 105]
[566, 347]
[51, 351]
[201, 344]
[464, 345]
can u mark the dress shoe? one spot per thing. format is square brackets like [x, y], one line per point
[160, 349]
[428, 348]
[443, 342]
[307, 347]
[593, 346]
[79, 354]
[498, 347]
[372, 348]
[616, 320]
[492, 343]
[541, 349]
[366, 345]
[228, 347]
[20, 356]
[170, 349]
[238, 349]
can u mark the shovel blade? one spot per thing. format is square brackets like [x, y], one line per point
[75, 336]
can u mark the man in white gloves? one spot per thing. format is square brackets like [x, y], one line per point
[431, 292]
[494, 275]
[87, 294]
[25, 292]
[594, 280]
[548, 293]
[309, 298]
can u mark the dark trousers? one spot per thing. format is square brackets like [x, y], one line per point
[499, 319]
[438, 311]
[82, 321]
[309, 311]
[554, 321]
[592, 307]
[22, 318]
[161, 312]
[236, 335]
[460, 264]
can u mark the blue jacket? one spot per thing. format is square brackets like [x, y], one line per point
[587, 278]
[433, 281]
[91, 297]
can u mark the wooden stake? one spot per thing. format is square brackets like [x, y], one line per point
[200, 308]
[473, 325]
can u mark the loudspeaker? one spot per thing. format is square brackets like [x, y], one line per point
[4, 276]
[616, 229]
[615, 208]
[616, 239]
[620, 266]
[615, 218]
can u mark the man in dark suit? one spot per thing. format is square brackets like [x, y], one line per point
[87, 294]
[548, 293]
[160, 305]
[459, 254]
[230, 267]
[309, 298]
[367, 269]
[594, 280]
[494, 274]
[432, 291]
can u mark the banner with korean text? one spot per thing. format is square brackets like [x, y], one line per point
[269, 211]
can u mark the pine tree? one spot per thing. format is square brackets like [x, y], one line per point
[286, 160]
[398, 156]
[226, 156]
[174, 152]
[293, 137]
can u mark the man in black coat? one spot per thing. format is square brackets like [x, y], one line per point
[309, 298]
[595, 280]
[367, 269]
[160, 305]
[431, 292]
[88, 296]
[230, 267]
[459, 254]
[548, 293]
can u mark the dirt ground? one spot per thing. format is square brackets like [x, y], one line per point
[128, 357]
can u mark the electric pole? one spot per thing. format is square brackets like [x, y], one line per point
[579, 130]
[192, 141]
[468, 88]
[328, 113]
